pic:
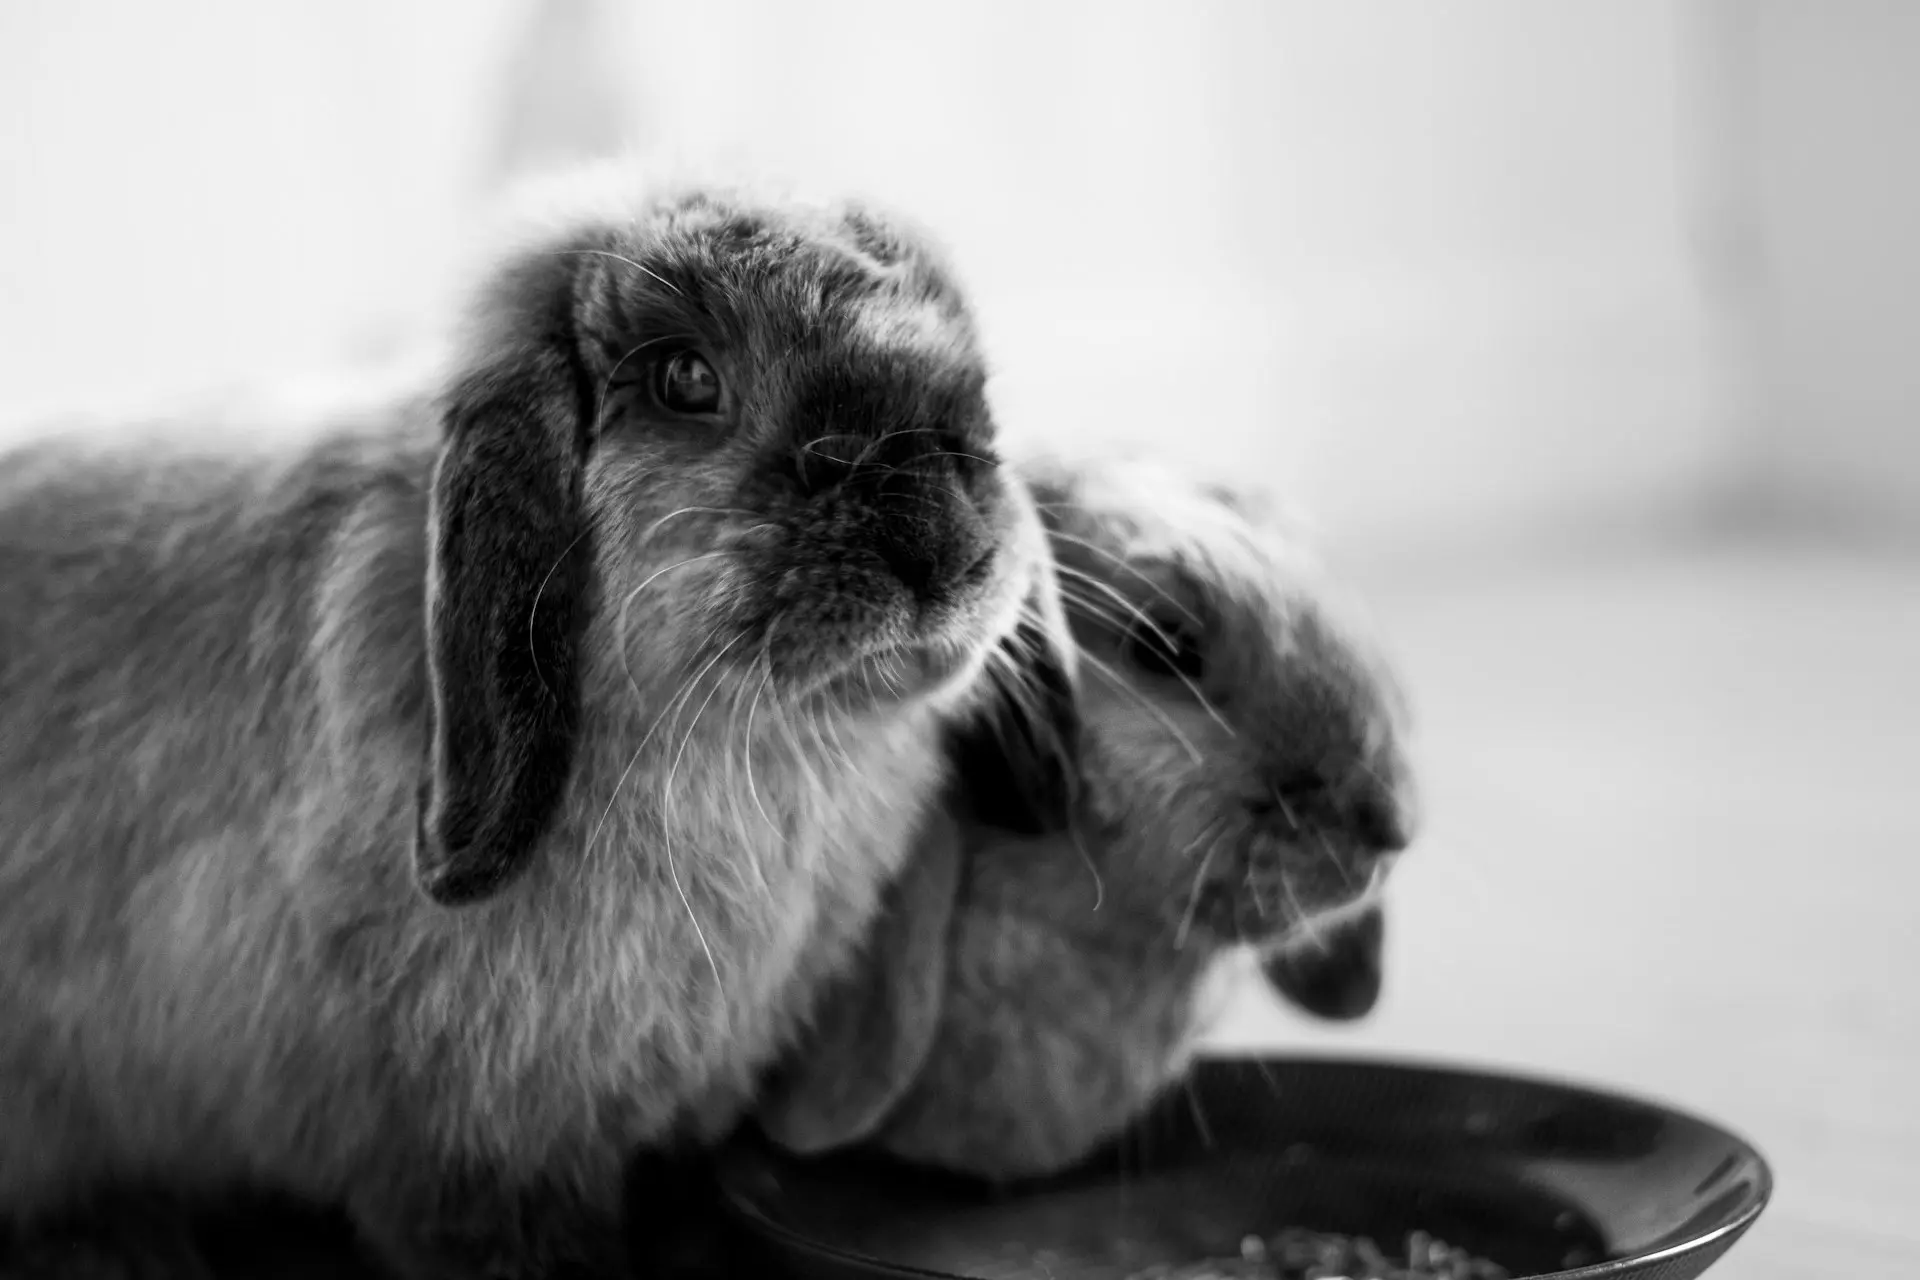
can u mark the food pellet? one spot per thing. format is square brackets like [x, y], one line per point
[1297, 1254]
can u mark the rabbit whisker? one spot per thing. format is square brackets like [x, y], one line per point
[1120, 615]
[961, 453]
[1120, 622]
[1326, 851]
[823, 725]
[889, 671]
[1093, 868]
[784, 719]
[921, 498]
[620, 626]
[1193, 896]
[1307, 923]
[1266, 1074]
[729, 740]
[1109, 617]
[1199, 1113]
[647, 534]
[1017, 681]
[666, 811]
[1145, 702]
[640, 749]
[752, 790]
[867, 449]
[1253, 891]
[608, 253]
[873, 446]
[809, 724]
[1369, 751]
[1286, 810]
[533, 610]
[1121, 562]
[890, 676]
[953, 493]
[620, 783]
[813, 446]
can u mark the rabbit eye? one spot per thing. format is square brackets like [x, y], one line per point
[1162, 648]
[686, 383]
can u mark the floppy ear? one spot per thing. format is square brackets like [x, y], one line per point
[1338, 976]
[507, 571]
[1016, 760]
[875, 1027]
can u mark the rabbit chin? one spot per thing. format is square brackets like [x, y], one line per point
[934, 655]
[940, 673]
[937, 674]
[1343, 905]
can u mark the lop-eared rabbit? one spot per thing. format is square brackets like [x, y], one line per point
[1242, 791]
[422, 812]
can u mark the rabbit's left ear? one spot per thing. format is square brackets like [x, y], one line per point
[1017, 759]
[1337, 976]
[874, 1028]
[508, 564]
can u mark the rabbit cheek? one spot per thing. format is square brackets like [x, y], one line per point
[1255, 883]
[1281, 886]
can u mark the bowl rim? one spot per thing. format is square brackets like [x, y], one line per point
[744, 1207]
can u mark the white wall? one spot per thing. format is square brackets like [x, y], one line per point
[1426, 265]
[1833, 166]
[198, 190]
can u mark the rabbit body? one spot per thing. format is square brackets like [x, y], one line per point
[424, 813]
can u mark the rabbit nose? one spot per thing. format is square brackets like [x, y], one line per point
[935, 562]
[1381, 821]
[1369, 807]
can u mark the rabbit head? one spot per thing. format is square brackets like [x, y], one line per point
[1243, 745]
[713, 447]
[1240, 783]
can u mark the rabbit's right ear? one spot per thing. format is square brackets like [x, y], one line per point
[875, 1027]
[508, 568]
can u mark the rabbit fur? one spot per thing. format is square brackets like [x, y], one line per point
[422, 809]
[1242, 787]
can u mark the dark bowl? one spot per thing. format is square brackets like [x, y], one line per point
[1543, 1178]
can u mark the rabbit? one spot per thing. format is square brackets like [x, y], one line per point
[1242, 788]
[422, 811]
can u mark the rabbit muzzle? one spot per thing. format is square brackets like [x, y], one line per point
[897, 589]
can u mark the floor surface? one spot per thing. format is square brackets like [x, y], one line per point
[1673, 845]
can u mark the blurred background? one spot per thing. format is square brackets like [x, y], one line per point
[1589, 332]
